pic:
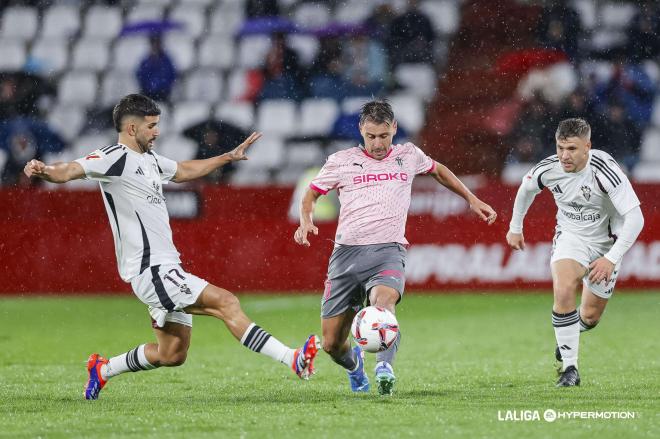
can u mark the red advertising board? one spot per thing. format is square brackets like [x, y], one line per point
[242, 240]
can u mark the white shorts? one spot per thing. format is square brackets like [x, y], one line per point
[565, 245]
[167, 290]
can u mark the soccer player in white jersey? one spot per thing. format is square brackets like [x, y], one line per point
[598, 220]
[131, 176]
[374, 184]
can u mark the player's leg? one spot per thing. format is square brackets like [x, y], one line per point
[220, 303]
[386, 297]
[171, 350]
[591, 310]
[567, 277]
[336, 343]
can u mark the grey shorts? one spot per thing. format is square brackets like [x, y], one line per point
[355, 269]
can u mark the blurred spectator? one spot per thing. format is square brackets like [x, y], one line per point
[25, 139]
[411, 37]
[261, 8]
[622, 138]
[156, 73]
[214, 138]
[366, 65]
[380, 22]
[632, 87]
[20, 93]
[326, 74]
[532, 138]
[282, 72]
[560, 29]
[643, 39]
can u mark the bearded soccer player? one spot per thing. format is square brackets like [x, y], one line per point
[131, 176]
[374, 185]
[598, 220]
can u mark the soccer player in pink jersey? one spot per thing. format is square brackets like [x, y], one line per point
[374, 183]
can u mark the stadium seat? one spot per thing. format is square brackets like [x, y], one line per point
[216, 51]
[60, 21]
[237, 84]
[419, 79]
[77, 88]
[129, 52]
[652, 69]
[3, 160]
[245, 176]
[204, 85]
[90, 54]
[240, 114]
[317, 116]
[52, 54]
[227, 18]
[408, 111]
[12, 55]
[353, 11]
[67, 120]
[142, 11]
[277, 116]
[354, 104]
[103, 22]
[647, 172]
[513, 173]
[19, 23]
[586, 9]
[177, 148]
[444, 15]
[181, 48]
[616, 15]
[188, 113]
[602, 70]
[655, 116]
[252, 51]
[83, 145]
[289, 175]
[116, 84]
[267, 153]
[650, 149]
[193, 18]
[306, 46]
[311, 15]
[304, 154]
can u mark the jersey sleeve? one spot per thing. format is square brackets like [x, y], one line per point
[328, 177]
[423, 163]
[166, 167]
[613, 181]
[104, 163]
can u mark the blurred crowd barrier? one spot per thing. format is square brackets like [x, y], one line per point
[242, 239]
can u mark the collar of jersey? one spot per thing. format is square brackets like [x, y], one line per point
[364, 150]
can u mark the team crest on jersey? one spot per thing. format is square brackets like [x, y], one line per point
[578, 207]
[586, 192]
[156, 186]
[399, 161]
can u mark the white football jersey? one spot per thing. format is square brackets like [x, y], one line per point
[131, 186]
[590, 203]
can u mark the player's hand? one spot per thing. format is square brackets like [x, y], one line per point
[515, 240]
[484, 211]
[34, 168]
[301, 233]
[600, 270]
[238, 153]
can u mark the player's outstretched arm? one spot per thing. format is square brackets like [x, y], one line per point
[55, 173]
[445, 177]
[306, 218]
[192, 169]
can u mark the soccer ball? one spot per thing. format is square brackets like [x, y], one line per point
[374, 329]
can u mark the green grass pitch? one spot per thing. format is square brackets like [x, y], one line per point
[464, 361]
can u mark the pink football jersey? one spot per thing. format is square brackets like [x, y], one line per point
[374, 194]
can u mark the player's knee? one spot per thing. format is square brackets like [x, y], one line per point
[332, 346]
[173, 359]
[590, 317]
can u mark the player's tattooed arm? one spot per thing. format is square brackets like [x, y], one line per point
[445, 177]
[55, 173]
[192, 169]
